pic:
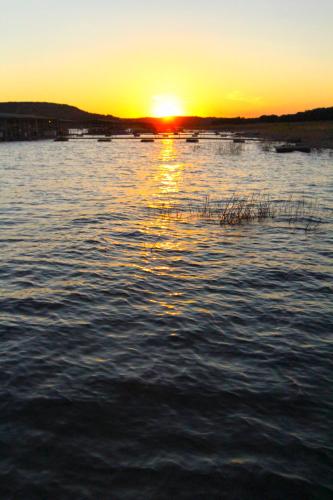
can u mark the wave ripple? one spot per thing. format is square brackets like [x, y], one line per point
[144, 358]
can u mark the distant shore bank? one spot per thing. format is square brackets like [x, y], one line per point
[314, 134]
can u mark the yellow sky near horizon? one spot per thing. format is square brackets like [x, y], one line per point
[242, 64]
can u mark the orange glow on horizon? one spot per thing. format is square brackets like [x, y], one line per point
[236, 59]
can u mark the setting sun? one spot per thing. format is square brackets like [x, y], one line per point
[166, 106]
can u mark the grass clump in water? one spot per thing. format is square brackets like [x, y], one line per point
[242, 209]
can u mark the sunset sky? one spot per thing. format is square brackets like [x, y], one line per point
[126, 57]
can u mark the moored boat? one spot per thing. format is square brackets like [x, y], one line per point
[303, 149]
[285, 148]
[61, 138]
[292, 148]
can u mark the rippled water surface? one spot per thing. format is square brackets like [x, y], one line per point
[149, 357]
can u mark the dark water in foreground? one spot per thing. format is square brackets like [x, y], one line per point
[147, 358]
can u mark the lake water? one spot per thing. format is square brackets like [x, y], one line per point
[153, 357]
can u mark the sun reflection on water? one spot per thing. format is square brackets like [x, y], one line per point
[162, 190]
[168, 175]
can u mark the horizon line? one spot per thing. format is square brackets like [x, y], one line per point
[171, 117]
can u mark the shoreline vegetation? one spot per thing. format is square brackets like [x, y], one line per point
[317, 135]
[37, 120]
[245, 209]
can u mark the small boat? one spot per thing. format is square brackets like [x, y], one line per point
[147, 140]
[286, 148]
[303, 149]
[61, 138]
[104, 139]
[192, 139]
[291, 148]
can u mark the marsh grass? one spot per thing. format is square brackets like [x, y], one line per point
[230, 148]
[245, 209]
[266, 146]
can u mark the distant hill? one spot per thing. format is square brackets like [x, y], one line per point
[51, 110]
[318, 114]
[71, 113]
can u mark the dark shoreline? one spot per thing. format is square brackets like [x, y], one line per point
[314, 134]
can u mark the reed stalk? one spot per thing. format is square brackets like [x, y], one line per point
[241, 209]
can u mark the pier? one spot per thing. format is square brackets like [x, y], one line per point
[162, 137]
[21, 127]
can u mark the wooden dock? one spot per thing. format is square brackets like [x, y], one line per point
[161, 138]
